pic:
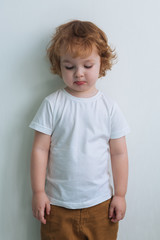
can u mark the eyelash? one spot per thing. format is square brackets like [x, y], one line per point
[70, 68]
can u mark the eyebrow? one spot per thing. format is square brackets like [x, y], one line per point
[88, 60]
[66, 61]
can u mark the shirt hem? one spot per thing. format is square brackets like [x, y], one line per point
[79, 205]
[122, 133]
[40, 128]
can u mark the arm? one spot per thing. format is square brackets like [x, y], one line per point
[39, 159]
[119, 162]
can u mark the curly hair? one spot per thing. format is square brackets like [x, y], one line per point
[78, 38]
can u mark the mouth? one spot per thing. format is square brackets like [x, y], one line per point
[80, 82]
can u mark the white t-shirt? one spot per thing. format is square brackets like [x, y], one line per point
[80, 128]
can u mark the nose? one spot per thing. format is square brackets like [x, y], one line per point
[79, 72]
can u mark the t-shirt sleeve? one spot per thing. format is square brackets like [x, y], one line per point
[119, 125]
[43, 120]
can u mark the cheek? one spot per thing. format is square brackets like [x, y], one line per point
[94, 74]
[97, 72]
[66, 74]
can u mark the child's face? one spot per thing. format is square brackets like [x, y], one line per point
[80, 74]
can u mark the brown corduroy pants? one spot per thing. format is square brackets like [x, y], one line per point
[79, 224]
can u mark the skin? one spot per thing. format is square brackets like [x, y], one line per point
[81, 69]
[78, 69]
[119, 162]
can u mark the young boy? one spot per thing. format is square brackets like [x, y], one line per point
[77, 129]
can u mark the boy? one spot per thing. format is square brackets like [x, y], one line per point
[77, 128]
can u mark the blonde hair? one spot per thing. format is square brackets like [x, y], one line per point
[78, 39]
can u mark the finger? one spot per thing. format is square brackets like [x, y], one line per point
[36, 214]
[41, 217]
[111, 211]
[118, 217]
[48, 208]
[114, 220]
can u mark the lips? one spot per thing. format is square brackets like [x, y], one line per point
[80, 82]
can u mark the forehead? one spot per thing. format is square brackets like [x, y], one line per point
[68, 57]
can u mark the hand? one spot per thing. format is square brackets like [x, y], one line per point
[117, 208]
[40, 204]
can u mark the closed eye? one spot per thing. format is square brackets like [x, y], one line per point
[69, 68]
[87, 66]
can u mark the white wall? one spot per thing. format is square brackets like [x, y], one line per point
[133, 28]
